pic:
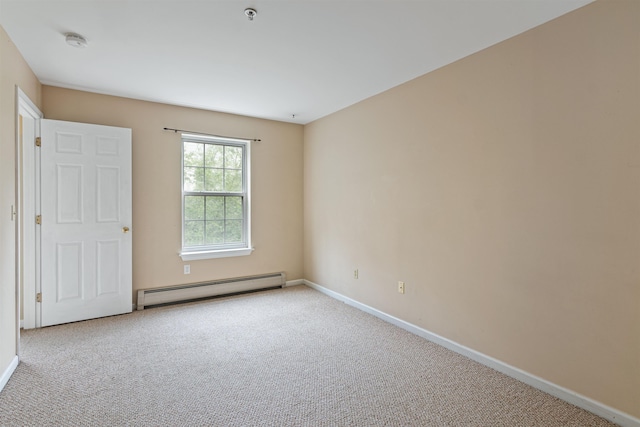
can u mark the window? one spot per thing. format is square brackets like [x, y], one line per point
[215, 197]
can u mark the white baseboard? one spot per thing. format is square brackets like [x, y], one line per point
[565, 394]
[294, 283]
[4, 379]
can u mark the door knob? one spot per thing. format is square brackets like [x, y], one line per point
[125, 229]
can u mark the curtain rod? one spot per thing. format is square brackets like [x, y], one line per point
[209, 134]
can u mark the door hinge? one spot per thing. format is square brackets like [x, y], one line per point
[38, 141]
[39, 297]
[38, 219]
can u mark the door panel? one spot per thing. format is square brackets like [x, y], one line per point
[69, 190]
[108, 194]
[69, 271]
[109, 254]
[85, 207]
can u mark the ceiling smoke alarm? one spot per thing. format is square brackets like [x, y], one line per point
[75, 40]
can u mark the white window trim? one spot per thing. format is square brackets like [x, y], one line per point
[193, 254]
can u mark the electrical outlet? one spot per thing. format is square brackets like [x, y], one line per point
[355, 274]
[401, 287]
[187, 269]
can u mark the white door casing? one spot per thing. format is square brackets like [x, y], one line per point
[29, 117]
[86, 245]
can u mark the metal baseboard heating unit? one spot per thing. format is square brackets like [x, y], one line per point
[194, 291]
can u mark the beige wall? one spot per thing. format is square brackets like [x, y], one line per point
[504, 189]
[276, 185]
[13, 71]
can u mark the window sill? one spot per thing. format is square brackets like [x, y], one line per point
[224, 253]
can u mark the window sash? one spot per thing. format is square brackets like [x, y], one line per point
[226, 220]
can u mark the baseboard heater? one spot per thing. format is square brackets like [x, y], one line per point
[194, 291]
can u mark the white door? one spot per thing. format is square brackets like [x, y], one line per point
[85, 196]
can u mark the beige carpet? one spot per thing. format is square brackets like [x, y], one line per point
[276, 358]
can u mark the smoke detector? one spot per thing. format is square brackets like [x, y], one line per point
[251, 13]
[75, 40]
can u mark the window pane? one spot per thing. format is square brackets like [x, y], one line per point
[232, 180]
[214, 156]
[233, 157]
[233, 232]
[213, 180]
[215, 207]
[215, 232]
[193, 178]
[193, 233]
[193, 154]
[233, 208]
[193, 207]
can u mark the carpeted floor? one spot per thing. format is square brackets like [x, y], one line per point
[287, 357]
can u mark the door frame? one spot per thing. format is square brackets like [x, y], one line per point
[27, 185]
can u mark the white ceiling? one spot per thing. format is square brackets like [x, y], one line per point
[304, 57]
